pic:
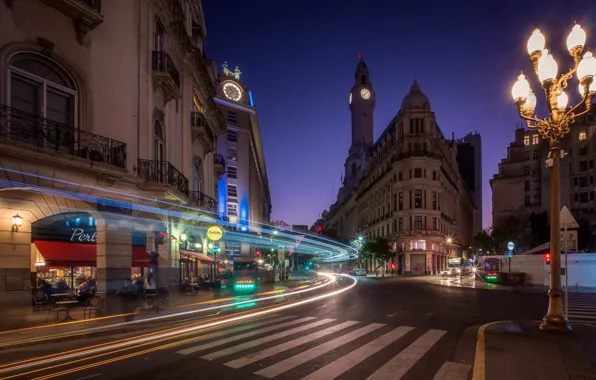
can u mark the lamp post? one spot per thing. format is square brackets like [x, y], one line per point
[552, 129]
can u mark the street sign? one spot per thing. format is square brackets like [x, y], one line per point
[566, 220]
[214, 233]
[510, 246]
[570, 237]
[287, 262]
[509, 253]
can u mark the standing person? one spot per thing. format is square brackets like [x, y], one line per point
[150, 292]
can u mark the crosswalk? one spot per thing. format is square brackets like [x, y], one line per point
[310, 348]
[582, 308]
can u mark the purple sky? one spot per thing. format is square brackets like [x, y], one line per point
[299, 60]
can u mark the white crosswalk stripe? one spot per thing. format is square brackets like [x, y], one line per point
[274, 345]
[582, 308]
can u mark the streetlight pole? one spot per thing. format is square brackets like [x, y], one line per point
[552, 129]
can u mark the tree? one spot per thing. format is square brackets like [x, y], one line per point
[515, 228]
[586, 240]
[484, 241]
[378, 249]
[281, 225]
[540, 227]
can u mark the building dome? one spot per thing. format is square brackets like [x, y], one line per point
[415, 98]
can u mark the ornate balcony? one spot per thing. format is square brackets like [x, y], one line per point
[162, 176]
[165, 75]
[202, 131]
[86, 14]
[38, 135]
[219, 165]
[202, 201]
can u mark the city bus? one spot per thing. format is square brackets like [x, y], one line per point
[245, 274]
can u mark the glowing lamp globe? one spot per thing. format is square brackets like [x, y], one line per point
[576, 39]
[530, 104]
[587, 66]
[536, 42]
[521, 88]
[562, 100]
[547, 67]
[591, 89]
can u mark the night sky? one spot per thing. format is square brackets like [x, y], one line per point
[299, 58]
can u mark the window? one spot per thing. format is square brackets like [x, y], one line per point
[401, 200]
[411, 126]
[434, 223]
[40, 87]
[583, 135]
[424, 148]
[418, 245]
[417, 198]
[527, 155]
[535, 155]
[527, 200]
[197, 175]
[232, 172]
[527, 186]
[535, 139]
[232, 209]
[527, 170]
[434, 175]
[232, 248]
[526, 140]
[158, 142]
[434, 200]
[232, 191]
[232, 154]
[232, 137]
[231, 116]
[583, 166]
[159, 37]
[400, 176]
[401, 224]
[418, 173]
[418, 222]
[583, 150]
[583, 197]
[417, 148]
[583, 181]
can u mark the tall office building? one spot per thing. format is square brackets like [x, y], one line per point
[243, 192]
[469, 161]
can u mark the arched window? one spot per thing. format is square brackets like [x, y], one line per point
[158, 142]
[39, 86]
[197, 176]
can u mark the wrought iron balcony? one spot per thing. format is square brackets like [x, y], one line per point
[164, 173]
[200, 200]
[219, 165]
[29, 130]
[86, 14]
[201, 128]
[165, 75]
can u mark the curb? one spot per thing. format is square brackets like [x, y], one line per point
[531, 291]
[480, 357]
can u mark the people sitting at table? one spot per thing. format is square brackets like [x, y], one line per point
[87, 290]
[62, 286]
[186, 286]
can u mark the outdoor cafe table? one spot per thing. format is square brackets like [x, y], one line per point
[68, 305]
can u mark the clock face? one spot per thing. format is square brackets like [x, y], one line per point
[232, 91]
[350, 98]
[365, 93]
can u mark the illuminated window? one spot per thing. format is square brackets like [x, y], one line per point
[232, 172]
[232, 209]
[526, 140]
[232, 137]
[232, 154]
[535, 139]
[232, 191]
[583, 135]
[418, 245]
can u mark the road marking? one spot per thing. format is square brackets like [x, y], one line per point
[190, 350]
[397, 367]
[453, 371]
[480, 360]
[305, 356]
[89, 377]
[241, 362]
[343, 364]
[241, 347]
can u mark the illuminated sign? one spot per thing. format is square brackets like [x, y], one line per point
[226, 71]
[214, 233]
[510, 246]
[80, 235]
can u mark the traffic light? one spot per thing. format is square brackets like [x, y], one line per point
[159, 237]
[393, 266]
[258, 253]
[319, 229]
[154, 258]
[547, 258]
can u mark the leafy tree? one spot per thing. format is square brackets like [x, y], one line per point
[484, 241]
[514, 228]
[378, 249]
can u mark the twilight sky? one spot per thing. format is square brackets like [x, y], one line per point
[299, 58]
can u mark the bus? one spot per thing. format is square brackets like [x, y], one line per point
[245, 274]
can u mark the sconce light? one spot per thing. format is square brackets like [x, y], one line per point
[17, 222]
[183, 237]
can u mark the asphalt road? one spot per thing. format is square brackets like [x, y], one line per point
[382, 328]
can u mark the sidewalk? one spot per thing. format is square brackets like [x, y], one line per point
[27, 326]
[515, 350]
[476, 283]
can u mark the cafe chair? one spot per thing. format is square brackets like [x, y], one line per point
[39, 300]
[94, 305]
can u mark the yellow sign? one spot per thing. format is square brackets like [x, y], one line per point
[214, 233]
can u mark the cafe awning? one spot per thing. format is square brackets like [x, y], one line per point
[66, 254]
[199, 256]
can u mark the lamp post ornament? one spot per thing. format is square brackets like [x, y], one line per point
[552, 129]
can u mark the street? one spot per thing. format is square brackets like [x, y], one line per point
[399, 328]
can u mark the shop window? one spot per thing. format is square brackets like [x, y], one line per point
[418, 245]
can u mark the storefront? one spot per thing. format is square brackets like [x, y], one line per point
[193, 264]
[65, 249]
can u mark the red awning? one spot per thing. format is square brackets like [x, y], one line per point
[199, 256]
[66, 254]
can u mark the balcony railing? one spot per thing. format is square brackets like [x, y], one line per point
[203, 201]
[163, 172]
[93, 4]
[163, 63]
[198, 121]
[37, 132]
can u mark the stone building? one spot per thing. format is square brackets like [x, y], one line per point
[522, 185]
[102, 99]
[405, 187]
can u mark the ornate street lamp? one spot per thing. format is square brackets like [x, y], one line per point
[552, 129]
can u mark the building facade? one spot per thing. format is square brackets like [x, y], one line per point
[469, 160]
[522, 185]
[102, 99]
[405, 187]
[243, 192]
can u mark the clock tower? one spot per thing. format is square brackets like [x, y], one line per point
[362, 105]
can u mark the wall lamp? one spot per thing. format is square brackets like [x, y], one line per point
[17, 222]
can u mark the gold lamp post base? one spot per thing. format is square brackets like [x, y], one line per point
[555, 324]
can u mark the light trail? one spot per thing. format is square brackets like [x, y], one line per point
[118, 347]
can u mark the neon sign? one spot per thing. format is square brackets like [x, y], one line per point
[79, 235]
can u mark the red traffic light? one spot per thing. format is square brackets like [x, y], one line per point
[258, 253]
[547, 258]
[392, 266]
[319, 229]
